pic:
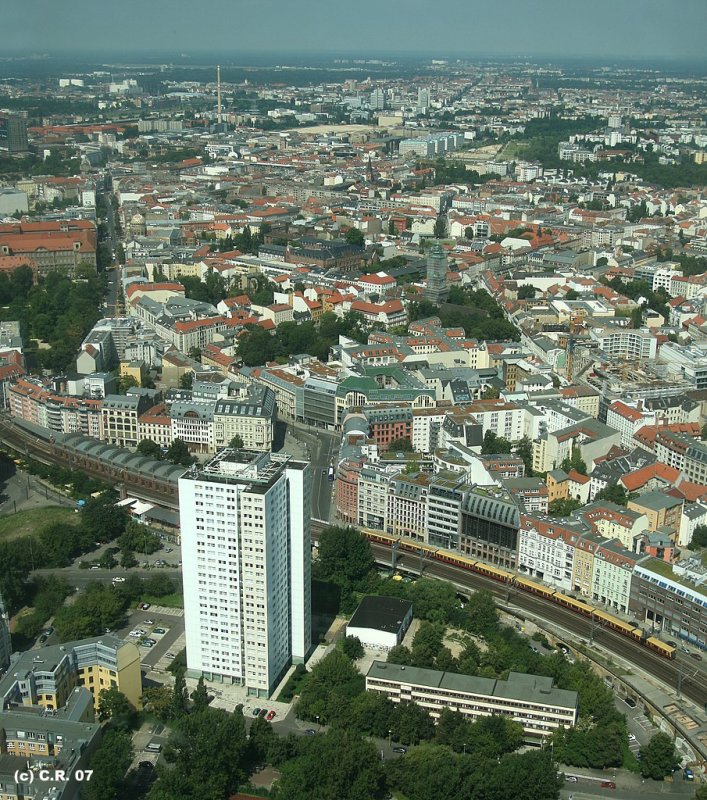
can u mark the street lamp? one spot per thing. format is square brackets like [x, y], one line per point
[464, 751]
[317, 718]
[390, 733]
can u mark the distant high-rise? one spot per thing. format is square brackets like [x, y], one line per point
[5, 643]
[13, 133]
[378, 99]
[245, 520]
[436, 289]
[424, 97]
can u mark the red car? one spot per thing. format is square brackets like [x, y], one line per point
[271, 716]
[607, 785]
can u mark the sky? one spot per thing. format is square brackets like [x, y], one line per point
[605, 30]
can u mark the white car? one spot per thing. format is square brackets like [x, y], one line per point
[631, 737]
[118, 579]
[135, 634]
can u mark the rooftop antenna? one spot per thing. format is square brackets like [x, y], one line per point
[218, 92]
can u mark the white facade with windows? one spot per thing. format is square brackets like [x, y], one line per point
[246, 550]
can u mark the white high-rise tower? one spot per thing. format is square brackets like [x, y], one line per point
[5, 642]
[246, 555]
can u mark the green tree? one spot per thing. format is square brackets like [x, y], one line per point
[329, 688]
[481, 614]
[178, 453]
[126, 382]
[699, 538]
[468, 232]
[614, 493]
[352, 647]
[338, 764]
[186, 381]
[563, 507]
[526, 292]
[110, 764]
[200, 697]
[236, 442]
[345, 557]
[574, 461]
[493, 444]
[158, 700]
[659, 757]
[150, 449]
[401, 445]
[208, 755]
[410, 723]
[179, 696]
[355, 237]
[440, 227]
[115, 706]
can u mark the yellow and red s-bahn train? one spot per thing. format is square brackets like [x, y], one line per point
[523, 583]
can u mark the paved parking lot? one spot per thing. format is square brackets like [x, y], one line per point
[156, 618]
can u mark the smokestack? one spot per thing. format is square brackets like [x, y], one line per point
[218, 92]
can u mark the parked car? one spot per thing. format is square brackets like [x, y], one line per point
[631, 737]
[151, 642]
[159, 631]
[571, 778]
[271, 716]
[143, 606]
[95, 566]
[256, 712]
[48, 631]
[263, 712]
[146, 643]
[402, 750]
[148, 622]
[310, 732]
[118, 579]
[630, 702]
[688, 774]
[43, 638]
[607, 785]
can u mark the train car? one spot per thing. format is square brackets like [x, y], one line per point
[456, 560]
[534, 588]
[616, 624]
[663, 649]
[379, 537]
[498, 574]
[574, 605]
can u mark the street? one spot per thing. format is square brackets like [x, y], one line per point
[321, 449]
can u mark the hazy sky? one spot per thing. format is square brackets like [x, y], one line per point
[606, 29]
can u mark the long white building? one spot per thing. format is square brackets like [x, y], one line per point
[246, 553]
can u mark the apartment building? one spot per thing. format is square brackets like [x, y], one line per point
[252, 416]
[667, 603]
[49, 678]
[612, 572]
[406, 510]
[245, 521]
[120, 414]
[628, 420]
[51, 245]
[546, 549]
[530, 700]
[625, 343]
[372, 497]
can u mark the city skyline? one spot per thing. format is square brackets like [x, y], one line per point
[465, 30]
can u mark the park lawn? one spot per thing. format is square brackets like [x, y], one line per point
[174, 600]
[25, 523]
